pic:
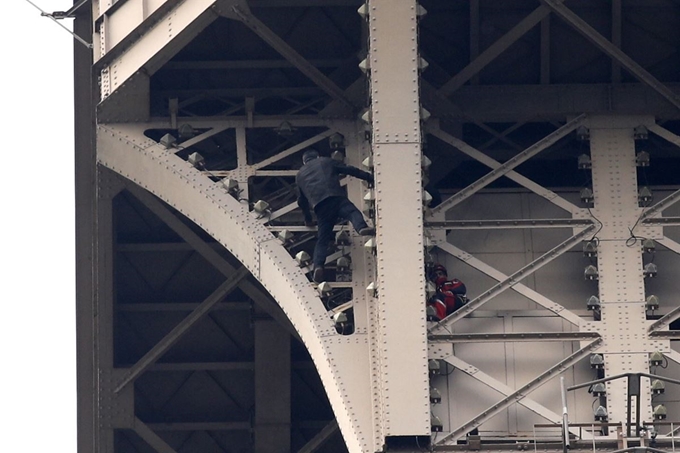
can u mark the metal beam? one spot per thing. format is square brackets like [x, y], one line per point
[245, 64]
[520, 393]
[320, 438]
[617, 20]
[494, 50]
[504, 390]
[519, 288]
[506, 169]
[151, 438]
[511, 280]
[180, 329]
[290, 54]
[611, 50]
[506, 224]
[512, 337]
[293, 149]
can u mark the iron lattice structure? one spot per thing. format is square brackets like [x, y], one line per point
[506, 138]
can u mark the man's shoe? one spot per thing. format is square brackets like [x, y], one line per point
[367, 231]
[318, 275]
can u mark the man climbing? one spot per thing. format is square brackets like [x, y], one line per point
[318, 183]
[451, 293]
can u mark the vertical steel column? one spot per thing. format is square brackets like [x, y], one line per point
[395, 105]
[272, 386]
[621, 284]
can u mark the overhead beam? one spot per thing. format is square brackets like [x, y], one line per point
[290, 54]
[180, 329]
[245, 64]
[611, 50]
[151, 438]
[509, 165]
[494, 50]
[493, 164]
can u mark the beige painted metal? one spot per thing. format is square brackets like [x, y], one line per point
[399, 328]
[621, 282]
[175, 181]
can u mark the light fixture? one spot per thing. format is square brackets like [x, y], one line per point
[590, 248]
[582, 133]
[285, 129]
[584, 162]
[658, 387]
[261, 207]
[185, 131]
[587, 196]
[599, 389]
[656, 358]
[372, 289]
[324, 288]
[640, 133]
[285, 236]
[368, 162]
[600, 414]
[435, 396]
[652, 303]
[591, 273]
[650, 270]
[436, 425]
[303, 258]
[168, 140]
[660, 412]
[337, 141]
[597, 361]
[593, 303]
[642, 159]
[196, 160]
[342, 238]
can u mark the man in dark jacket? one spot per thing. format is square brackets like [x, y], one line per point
[318, 184]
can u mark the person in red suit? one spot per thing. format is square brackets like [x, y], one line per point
[450, 295]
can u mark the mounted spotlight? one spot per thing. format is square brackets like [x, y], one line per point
[436, 425]
[185, 131]
[425, 162]
[371, 245]
[660, 412]
[435, 396]
[656, 358]
[431, 314]
[650, 270]
[372, 289]
[365, 65]
[599, 389]
[261, 207]
[582, 133]
[584, 162]
[640, 133]
[303, 258]
[168, 140]
[343, 272]
[593, 303]
[601, 414]
[587, 196]
[658, 387]
[231, 185]
[338, 155]
[642, 159]
[430, 289]
[368, 162]
[434, 367]
[285, 129]
[427, 198]
[337, 141]
[644, 196]
[196, 160]
[591, 273]
[285, 236]
[652, 303]
[341, 322]
[366, 116]
[590, 248]
[648, 245]
[596, 361]
[324, 288]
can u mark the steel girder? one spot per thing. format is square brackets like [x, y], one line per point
[172, 179]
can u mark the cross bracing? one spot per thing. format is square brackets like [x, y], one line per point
[209, 335]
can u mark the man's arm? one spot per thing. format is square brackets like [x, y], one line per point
[303, 203]
[353, 171]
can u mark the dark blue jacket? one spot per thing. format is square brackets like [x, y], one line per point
[319, 179]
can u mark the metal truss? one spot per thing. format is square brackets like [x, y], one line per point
[520, 393]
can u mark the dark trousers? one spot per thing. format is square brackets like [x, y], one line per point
[327, 213]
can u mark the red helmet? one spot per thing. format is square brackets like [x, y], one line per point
[437, 268]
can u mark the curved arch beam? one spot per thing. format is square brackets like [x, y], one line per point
[122, 149]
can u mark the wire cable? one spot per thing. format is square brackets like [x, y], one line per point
[51, 16]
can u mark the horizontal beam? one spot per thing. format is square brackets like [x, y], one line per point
[512, 337]
[245, 64]
[146, 307]
[506, 224]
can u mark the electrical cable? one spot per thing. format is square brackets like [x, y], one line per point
[51, 16]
